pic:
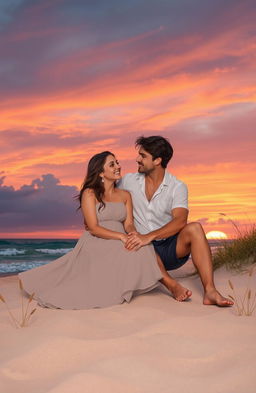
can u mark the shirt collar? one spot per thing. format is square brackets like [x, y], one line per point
[140, 177]
[166, 180]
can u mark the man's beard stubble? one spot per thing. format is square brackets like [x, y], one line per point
[142, 169]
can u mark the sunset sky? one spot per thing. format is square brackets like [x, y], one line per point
[78, 77]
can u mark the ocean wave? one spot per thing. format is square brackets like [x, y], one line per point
[11, 251]
[17, 267]
[54, 251]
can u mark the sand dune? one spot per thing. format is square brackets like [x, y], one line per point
[154, 344]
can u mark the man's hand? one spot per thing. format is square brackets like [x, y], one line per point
[136, 241]
[125, 239]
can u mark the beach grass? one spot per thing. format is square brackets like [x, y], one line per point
[239, 254]
[246, 304]
[25, 312]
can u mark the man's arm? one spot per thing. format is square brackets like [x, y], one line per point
[122, 183]
[180, 216]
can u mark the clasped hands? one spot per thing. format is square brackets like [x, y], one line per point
[134, 240]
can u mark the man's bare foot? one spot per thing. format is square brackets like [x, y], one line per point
[179, 292]
[213, 297]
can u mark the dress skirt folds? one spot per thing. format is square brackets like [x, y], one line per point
[97, 272]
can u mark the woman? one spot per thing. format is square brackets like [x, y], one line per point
[99, 271]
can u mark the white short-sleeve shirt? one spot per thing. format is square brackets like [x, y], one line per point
[153, 214]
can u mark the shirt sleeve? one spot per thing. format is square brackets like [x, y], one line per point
[122, 183]
[180, 196]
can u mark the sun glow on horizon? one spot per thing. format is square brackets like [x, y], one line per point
[216, 235]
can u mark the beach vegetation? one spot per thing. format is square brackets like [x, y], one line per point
[26, 311]
[238, 254]
[246, 304]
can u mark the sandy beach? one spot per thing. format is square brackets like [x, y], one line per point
[154, 344]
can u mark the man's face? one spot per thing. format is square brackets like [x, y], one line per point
[145, 161]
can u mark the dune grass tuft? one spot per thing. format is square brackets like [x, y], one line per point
[246, 304]
[238, 254]
[25, 312]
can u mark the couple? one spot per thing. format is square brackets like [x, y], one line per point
[116, 259]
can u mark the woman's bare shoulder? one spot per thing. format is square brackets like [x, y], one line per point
[89, 194]
[125, 195]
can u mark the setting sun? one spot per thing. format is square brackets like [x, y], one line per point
[216, 235]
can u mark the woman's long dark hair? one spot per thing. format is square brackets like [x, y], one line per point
[93, 179]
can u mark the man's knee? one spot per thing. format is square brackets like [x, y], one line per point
[194, 228]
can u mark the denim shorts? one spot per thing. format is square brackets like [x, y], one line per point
[166, 249]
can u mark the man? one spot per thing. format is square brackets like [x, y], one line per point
[160, 209]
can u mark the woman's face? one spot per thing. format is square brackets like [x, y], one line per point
[112, 169]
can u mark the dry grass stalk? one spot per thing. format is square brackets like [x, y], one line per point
[25, 314]
[233, 223]
[247, 304]
[14, 320]
[22, 302]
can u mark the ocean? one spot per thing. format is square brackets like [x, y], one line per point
[18, 255]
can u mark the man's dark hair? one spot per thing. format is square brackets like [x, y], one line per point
[157, 146]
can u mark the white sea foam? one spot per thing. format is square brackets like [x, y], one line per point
[54, 251]
[15, 267]
[11, 251]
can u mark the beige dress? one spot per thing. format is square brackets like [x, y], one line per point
[97, 272]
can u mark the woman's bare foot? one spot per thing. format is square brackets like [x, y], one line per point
[178, 291]
[213, 297]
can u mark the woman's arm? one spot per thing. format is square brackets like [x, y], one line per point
[89, 211]
[129, 222]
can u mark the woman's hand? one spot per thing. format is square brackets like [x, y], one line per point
[133, 233]
[136, 241]
[124, 238]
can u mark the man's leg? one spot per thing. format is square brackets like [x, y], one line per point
[179, 292]
[192, 239]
